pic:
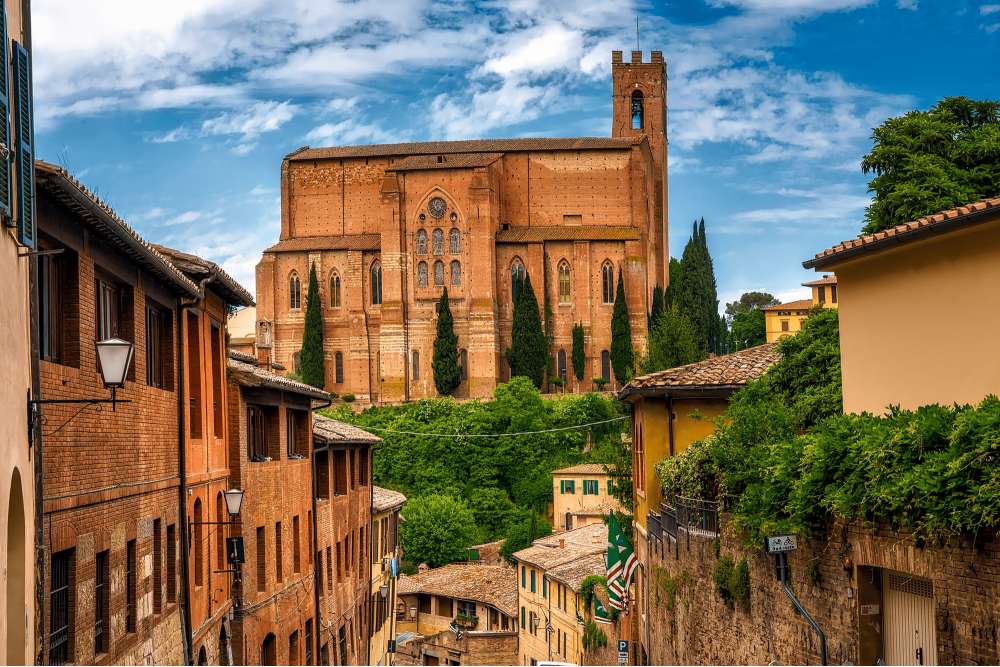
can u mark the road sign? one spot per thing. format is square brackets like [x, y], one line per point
[623, 651]
[869, 610]
[234, 550]
[780, 543]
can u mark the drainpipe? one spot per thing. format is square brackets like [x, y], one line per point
[36, 393]
[182, 450]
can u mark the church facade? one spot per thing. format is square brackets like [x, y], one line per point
[388, 227]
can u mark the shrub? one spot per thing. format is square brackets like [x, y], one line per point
[347, 398]
[732, 582]
[593, 637]
[587, 588]
[334, 395]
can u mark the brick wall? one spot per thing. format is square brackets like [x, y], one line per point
[474, 648]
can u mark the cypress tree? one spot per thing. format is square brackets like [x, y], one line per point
[579, 358]
[447, 370]
[621, 336]
[670, 293]
[656, 311]
[696, 294]
[311, 354]
[717, 330]
[528, 353]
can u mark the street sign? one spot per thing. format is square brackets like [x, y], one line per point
[234, 550]
[869, 610]
[780, 543]
[623, 651]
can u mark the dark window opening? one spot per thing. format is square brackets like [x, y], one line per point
[416, 365]
[171, 564]
[335, 290]
[637, 110]
[322, 476]
[516, 274]
[562, 365]
[218, 407]
[338, 368]
[376, 286]
[157, 566]
[194, 373]
[130, 586]
[309, 641]
[60, 614]
[50, 307]
[606, 365]
[463, 356]
[822, 293]
[261, 561]
[608, 283]
[833, 294]
[102, 599]
[277, 553]
[294, 292]
[296, 558]
[199, 548]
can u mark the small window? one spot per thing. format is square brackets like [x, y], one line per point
[833, 294]
[257, 433]
[422, 274]
[608, 283]
[218, 405]
[463, 356]
[564, 282]
[376, 284]
[102, 599]
[297, 363]
[130, 585]
[454, 241]
[784, 325]
[294, 292]
[416, 365]
[322, 478]
[438, 273]
[198, 547]
[335, 290]
[296, 557]
[456, 273]
[606, 365]
[277, 552]
[50, 307]
[466, 608]
[562, 365]
[61, 612]
[438, 237]
[516, 274]
[171, 564]
[338, 362]
[421, 242]
[637, 110]
[154, 348]
[821, 290]
[261, 561]
[108, 309]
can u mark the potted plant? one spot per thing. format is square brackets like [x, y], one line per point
[467, 621]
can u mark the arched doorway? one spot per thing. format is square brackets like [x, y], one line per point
[15, 573]
[202, 656]
[269, 651]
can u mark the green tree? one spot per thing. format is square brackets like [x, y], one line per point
[927, 161]
[439, 530]
[520, 536]
[447, 370]
[747, 302]
[622, 361]
[528, 353]
[696, 293]
[494, 512]
[670, 293]
[579, 356]
[672, 343]
[749, 329]
[656, 309]
[312, 359]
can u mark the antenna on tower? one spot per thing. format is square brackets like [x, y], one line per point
[637, 33]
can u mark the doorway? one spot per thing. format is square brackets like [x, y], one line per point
[909, 619]
[16, 609]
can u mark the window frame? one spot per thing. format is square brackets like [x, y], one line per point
[423, 278]
[294, 291]
[454, 241]
[455, 270]
[50, 293]
[516, 273]
[607, 284]
[438, 264]
[335, 297]
[565, 286]
[376, 283]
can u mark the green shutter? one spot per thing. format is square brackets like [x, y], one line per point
[522, 617]
[609, 487]
[532, 581]
[522, 577]
[4, 117]
[24, 162]
[562, 486]
[545, 587]
[572, 486]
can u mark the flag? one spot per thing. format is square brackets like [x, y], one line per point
[454, 628]
[548, 626]
[616, 599]
[622, 561]
[601, 614]
[613, 559]
[579, 619]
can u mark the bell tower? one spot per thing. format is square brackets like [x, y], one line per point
[639, 92]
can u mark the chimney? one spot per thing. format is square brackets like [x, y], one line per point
[637, 57]
[422, 568]
[562, 543]
[711, 355]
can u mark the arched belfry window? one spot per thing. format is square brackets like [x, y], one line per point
[516, 273]
[454, 241]
[422, 274]
[335, 290]
[456, 273]
[377, 284]
[438, 236]
[438, 273]
[564, 282]
[421, 241]
[608, 283]
[294, 291]
[637, 111]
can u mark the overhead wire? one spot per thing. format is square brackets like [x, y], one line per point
[489, 435]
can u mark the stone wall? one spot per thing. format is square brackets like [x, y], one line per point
[474, 648]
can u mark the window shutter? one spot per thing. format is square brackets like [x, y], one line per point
[562, 486]
[4, 117]
[24, 160]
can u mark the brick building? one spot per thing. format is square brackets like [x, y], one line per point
[386, 505]
[389, 226]
[342, 508]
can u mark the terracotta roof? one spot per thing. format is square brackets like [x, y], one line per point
[600, 509]
[582, 469]
[803, 304]
[825, 280]
[386, 499]
[357, 242]
[243, 341]
[242, 356]
[406, 585]
[251, 376]
[734, 369]
[488, 545]
[489, 584]
[450, 161]
[579, 542]
[467, 146]
[198, 269]
[573, 573]
[944, 221]
[330, 431]
[564, 233]
[99, 218]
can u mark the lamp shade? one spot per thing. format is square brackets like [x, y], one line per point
[114, 355]
[413, 612]
[234, 500]
[383, 591]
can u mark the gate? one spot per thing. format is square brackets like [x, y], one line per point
[909, 620]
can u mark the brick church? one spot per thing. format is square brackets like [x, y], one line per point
[389, 226]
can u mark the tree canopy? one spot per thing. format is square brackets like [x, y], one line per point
[529, 528]
[696, 293]
[673, 342]
[312, 363]
[928, 161]
[748, 301]
[528, 354]
[447, 370]
[747, 330]
[439, 529]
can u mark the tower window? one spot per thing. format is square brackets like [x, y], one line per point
[564, 282]
[637, 111]
[608, 283]
[294, 292]
[377, 284]
[335, 290]
[516, 273]
[422, 274]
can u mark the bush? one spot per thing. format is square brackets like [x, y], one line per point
[593, 637]
[438, 530]
[600, 382]
[347, 398]
[521, 535]
[587, 588]
[732, 582]
[334, 395]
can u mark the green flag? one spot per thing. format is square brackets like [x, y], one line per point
[601, 614]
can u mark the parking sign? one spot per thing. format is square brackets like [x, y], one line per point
[623, 651]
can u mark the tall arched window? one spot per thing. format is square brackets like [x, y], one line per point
[422, 274]
[516, 273]
[377, 284]
[564, 282]
[294, 291]
[438, 273]
[438, 236]
[456, 272]
[338, 362]
[297, 363]
[606, 365]
[463, 359]
[198, 547]
[416, 365]
[608, 283]
[421, 241]
[562, 365]
[454, 241]
[637, 111]
[335, 290]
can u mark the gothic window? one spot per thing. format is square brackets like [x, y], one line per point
[606, 365]
[421, 241]
[422, 274]
[416, 365]
[377, 284]
[438, 236]
[637, 112]
[294, 291]
[564, 282]
[438, 273]
[297, 363]
[454, 241]
[338, 367]
[335, 290]
[463, 357]
[562, 365]
[516, 273]
[456, 272]
[608, 283]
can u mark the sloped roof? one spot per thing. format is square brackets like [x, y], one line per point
[602, 508]
[489, 584]
[945, 221]
[536, 234]
[546, 553]
[573, 573]
[198, 269]
[802, 304]
[329, 431]
[582, 469]
[242, 356]
[355, 242]
[825, 280]
[386, 499]
[466, 146]
[248, 375]
[731, 370]
[450, 161]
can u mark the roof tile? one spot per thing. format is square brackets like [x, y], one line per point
[490, 584]
[803, 304]
[331, 430]
[537, 234]
[737, 369]
[467, 146]
[386, 499]
[582, 469]
[357, 242]
[248, 375]
[450, 161]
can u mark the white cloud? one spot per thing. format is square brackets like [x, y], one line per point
[988, 9]
[188, 217]
[258, 118]
[793, 294]
[907, 4]
[795, 6]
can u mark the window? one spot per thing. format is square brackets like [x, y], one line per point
[516, 274]
[130, 594]
[524, 572]
[463, 357]
[198, 548]
[422, 274]
[261, 561]
[784, 325]
[322, 477]
[833, 294]
[158, 567]
[171, 564]
[257, 433]
[102, 598]
[438, 237]
[309, 641]
[351, 470]
[341, 554]
[637, 111]
[377, 284]
[50, 307]
[294, 292]
[562, 365]
[363, 455]
[416, 365]
[821, 290]
[218, 407]
[319, 571]
[456, 273]
[296, 559]
[545, 587]
[342, 642]
[564, 282]
[532, 580]
[444, 606]
[154, 350]
[466, 608]
[108, 309]
[335, 290]
[194, 374]
[61, 611]
[454, 241]
[277, 552]
[610, 483]
[421, 241]
[297, 363]
[606, 365]
[608, 283]
[293, 648]
[269, 651]
[590, 487]
[339, 473]
[438, 273]
[571, 486]
[222, 516]
[522, 617]
[338, 364]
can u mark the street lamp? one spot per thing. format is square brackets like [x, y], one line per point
[234, 501]
[413, 612]
[383, 590]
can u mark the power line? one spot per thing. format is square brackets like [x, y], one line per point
[489, 435]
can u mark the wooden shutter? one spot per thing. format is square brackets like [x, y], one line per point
[4, 116]
[24, 161]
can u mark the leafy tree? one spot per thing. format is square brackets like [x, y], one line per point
[747, 302]
[534, 491]
[439, 530]
[622, 361]
[447, 370]
[579, 356]
[696, 293]
[748, 329]
[656, 309]
[927, 161]
[528, 354]
[494, 513]
[520, 536]
[670, 293]
[674, 342]
[312, 359]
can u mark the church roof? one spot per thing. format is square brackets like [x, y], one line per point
[536, 234]
[355, 242]
[448, 161]
[467, 146]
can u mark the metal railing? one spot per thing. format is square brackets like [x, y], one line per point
[698, 517]
[668, 520]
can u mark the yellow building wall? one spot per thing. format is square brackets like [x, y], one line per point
[573, 502]
[772, 322]
[917, 322]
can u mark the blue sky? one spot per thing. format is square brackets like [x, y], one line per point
[179, 113]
